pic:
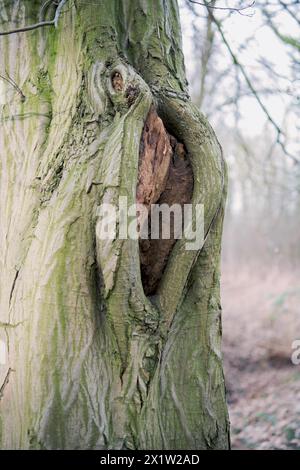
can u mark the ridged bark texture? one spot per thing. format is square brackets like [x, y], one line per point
[93, 362]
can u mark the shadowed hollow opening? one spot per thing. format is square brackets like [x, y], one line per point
[165, 177]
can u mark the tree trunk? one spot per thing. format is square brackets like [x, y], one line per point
[92, 362]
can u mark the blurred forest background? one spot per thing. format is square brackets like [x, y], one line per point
[243, 64]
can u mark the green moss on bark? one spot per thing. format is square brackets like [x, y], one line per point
[98, 365]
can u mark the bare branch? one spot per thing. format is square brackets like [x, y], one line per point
[58, 11]
[283, 37]
[44, 8]
[279, 131]
[41, 24]
[28, 28]
[237, 9]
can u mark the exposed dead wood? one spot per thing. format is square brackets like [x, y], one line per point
[154, 162]
[165, 177]
[117, 81]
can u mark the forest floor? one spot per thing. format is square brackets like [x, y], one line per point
[260, 322]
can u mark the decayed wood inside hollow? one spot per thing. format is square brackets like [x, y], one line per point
[165, 177]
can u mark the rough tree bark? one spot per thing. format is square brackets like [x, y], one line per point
[92, 361]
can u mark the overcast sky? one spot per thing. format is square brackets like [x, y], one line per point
[243, 30]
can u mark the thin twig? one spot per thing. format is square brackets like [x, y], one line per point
[283, 37]
[41, 24]
[279, 131]
[9, 80]
[44, 8]
[236, 9]
[28, 28]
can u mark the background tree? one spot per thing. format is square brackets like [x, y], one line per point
[261, 241]
[252, 99]
[92, 361]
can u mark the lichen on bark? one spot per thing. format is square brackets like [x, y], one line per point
[97, 363]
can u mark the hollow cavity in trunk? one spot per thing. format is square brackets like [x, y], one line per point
[165, 177]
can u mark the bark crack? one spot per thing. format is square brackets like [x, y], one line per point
[5, 383]
[10, 325]
[13, 286]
